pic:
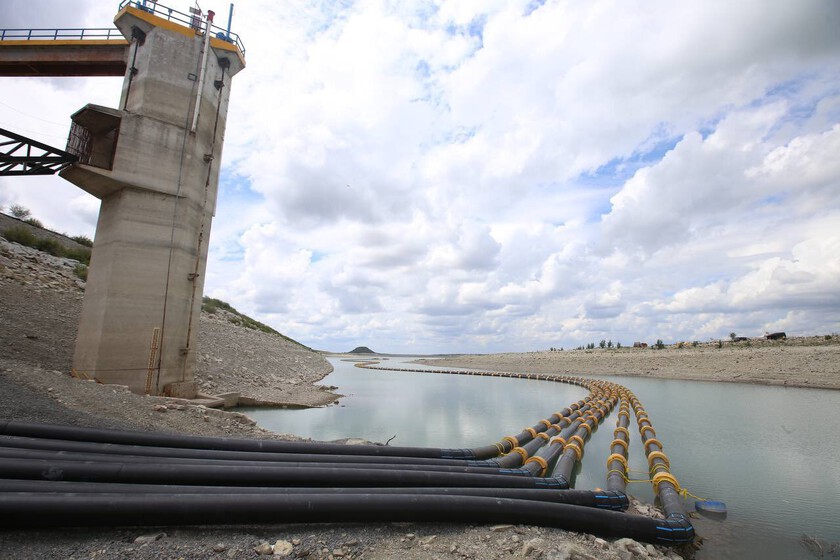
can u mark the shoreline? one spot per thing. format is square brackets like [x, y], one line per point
[815, 366]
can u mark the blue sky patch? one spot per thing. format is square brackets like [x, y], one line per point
[533, 6]
[618, 170]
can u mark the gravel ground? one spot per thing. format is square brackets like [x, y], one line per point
[40, 299]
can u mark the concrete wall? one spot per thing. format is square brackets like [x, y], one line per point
[150, 253]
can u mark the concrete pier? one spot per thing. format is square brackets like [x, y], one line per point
[154, 163]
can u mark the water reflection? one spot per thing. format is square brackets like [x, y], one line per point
[770, 453]
[423, 409]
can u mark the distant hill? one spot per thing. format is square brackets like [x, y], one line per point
[361, 350]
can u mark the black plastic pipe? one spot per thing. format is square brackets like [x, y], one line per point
[521, 453]
[150, 451]
[98, 435]
[47, 455]
[541, 463]
[526, 437]
[95, 471]
[615, 501]
[567, 460]
[65, 510]
[552, 452]
[668, 493]
[616, 466]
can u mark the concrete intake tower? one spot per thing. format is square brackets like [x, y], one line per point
[154, 164]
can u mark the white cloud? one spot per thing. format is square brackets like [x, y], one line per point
[469, 176]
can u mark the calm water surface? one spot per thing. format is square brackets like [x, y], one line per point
[770, 453]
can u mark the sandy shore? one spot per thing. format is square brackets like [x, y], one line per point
[802, 362]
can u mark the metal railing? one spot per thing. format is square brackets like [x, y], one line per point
[77, 33]
[190, 20]
[71, 33]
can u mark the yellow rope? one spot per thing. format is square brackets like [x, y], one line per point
[660, 467]
[684, 492]
[661, 477]
[624, 476]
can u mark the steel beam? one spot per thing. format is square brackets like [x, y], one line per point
[63, 58]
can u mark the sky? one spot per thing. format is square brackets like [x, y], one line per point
[504, 175]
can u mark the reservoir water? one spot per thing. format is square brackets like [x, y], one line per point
[771, 453]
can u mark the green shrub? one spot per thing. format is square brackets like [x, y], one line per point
[34, 222]
[81, 255]
[217, 304]
[212, 305]
[20, 235]
[83, 240]
[47, 244]
[81, 271]
[50, 246]
[659, 344]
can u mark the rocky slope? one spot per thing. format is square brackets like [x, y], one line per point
[42, 297]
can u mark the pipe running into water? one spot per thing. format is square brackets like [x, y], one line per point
[619, 448]
[22, 509]
[616, 501]
[665, 485]
[60, 476]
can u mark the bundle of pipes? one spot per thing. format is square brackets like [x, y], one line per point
[65, 476]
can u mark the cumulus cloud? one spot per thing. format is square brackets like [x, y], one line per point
[508, 175]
